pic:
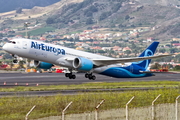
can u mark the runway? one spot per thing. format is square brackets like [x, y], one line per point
[59, 79]
[32, 79]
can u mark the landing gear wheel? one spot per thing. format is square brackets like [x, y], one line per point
[70, 75]
[73, 76]
[86, 75]
[66, 74]
[93, 77]
[90, 76]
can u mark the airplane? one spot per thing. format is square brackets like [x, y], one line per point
[45, 55]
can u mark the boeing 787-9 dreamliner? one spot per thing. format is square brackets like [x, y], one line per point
[45, 55]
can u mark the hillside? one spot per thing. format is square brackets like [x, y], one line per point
[9, 5]
[120, 14]
[160, 2]
[72, 15]
[36, 11]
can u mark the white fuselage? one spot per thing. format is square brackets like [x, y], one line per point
[55, 54]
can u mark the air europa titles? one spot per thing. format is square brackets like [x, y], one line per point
[44, 47]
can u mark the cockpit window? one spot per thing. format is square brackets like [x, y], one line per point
[12, 42]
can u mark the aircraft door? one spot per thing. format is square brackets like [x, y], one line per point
[24, 44]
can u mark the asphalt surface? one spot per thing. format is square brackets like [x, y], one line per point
[59, 78]
[34, 79]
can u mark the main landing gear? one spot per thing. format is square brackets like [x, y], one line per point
[87, 75]
[90, 76]
[70, 75]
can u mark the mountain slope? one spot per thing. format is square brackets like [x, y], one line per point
[36, 11]
[162, 16]
[163, 19]
[160, 2]
[9, 5]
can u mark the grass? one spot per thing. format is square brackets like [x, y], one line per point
[15, 108]
[74, 32]
[104, 85]
[40, 31]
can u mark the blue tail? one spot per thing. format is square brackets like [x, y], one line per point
[148, 52]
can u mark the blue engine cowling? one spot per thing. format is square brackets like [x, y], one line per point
[83, 64]
[42, 65]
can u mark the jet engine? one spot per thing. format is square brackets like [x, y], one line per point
[42, 65]
[83, 64]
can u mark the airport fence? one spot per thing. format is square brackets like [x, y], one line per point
[168, 111]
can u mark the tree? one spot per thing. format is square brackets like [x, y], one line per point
[93, 8]
[133, 46]
[7, 56]
[173, 50]
[155, 66]
[104, 15]
[101, 51]
[127, 52]
[177, 67]
[116, 7]
[1, 35]
[89, 14]
[89, 21]
[21, 64]
[19, 10]
[50, 20]
[37, 21]
[11, 65]
[127, 17]
[162, 50]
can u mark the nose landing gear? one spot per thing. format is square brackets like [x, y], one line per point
[14, 59]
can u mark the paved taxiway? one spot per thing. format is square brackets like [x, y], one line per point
[58, 79]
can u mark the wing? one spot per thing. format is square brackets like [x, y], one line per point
[103, 62]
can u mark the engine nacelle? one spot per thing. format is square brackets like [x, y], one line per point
[83, 64]
[42, 65]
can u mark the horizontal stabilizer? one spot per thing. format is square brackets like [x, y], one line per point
[157, 72]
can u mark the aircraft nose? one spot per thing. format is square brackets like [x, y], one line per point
[5, 46]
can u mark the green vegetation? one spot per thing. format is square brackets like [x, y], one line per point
[41, 31]
[74, 32]
[104, 15]
[15, 108]
[104, 85]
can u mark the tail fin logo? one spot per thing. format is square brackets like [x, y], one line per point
[148, 52]
[145, 63]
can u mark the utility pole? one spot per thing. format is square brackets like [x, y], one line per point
[27, 61]
[26, 25]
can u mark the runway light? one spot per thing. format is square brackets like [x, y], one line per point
[15, 83]
[37, 84]
[4, 83]
[27, 84]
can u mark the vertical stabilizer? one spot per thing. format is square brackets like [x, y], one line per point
[148, 52]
